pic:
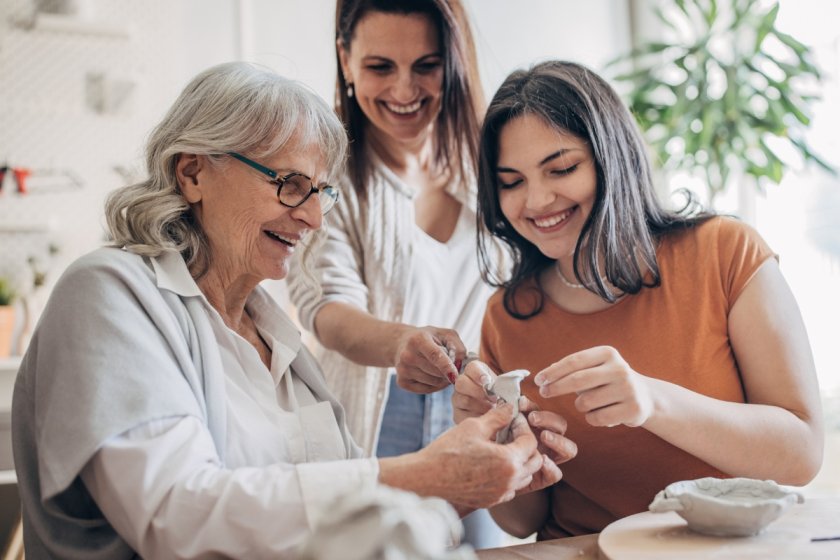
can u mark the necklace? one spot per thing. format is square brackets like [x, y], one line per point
[566, 280]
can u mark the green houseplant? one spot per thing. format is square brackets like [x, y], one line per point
[7, 292]
[7, 316]
[721, 100]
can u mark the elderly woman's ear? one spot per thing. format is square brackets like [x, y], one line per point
[186, 171]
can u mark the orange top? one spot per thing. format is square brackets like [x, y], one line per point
[676, 332]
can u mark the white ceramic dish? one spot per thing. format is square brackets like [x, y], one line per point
[733, 507]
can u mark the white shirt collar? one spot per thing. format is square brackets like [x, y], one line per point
[173, 275]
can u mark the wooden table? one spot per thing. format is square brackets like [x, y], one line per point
[787, 537]
[578, 548]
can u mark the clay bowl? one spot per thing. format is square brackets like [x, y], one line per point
[733, 507]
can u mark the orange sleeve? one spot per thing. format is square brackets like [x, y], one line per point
[741, 251]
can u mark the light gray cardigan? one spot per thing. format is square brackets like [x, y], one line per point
[113, 349]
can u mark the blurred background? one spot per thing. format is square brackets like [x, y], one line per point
[82, 82]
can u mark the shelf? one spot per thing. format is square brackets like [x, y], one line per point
[8, 477]
[53, 23]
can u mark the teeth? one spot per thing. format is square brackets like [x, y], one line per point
[553, 220]
[281, 238]
[404, 109]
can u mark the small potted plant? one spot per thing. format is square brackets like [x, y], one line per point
[8, 295]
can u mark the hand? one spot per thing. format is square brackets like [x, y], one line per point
[469, 398]
[549, 428]
[423, 360]
[609, 391]
[470, 469]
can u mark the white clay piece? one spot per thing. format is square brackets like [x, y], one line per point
[506, 388]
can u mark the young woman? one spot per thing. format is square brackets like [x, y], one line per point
[401, 295]
[669, 341]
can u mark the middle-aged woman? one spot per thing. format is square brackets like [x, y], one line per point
[670, 341]
[166, 407]
[401, 297]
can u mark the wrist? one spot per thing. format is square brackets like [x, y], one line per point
[408, 472]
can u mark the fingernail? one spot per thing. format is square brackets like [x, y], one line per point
[544, 391]
[452, 377]
[538, 380]
[548, 436]
[535, 418]
[485, 379]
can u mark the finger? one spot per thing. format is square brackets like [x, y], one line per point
[576, 382]
[524, 482]
[600, 397]
[584, 359]
[562, 448]
[527, 406]
[437, 360]
[421, 388]
[496, 419]
[475, 407]
[626, 412]
[407, 374]
[467, 385]
[534, 463]
[452, 342]
[484, 377]
[547, 420]
[550, 473]
[523, 442]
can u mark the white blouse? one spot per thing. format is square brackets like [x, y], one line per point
[162, 484]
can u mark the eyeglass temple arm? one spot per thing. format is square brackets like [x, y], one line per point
[270, 172]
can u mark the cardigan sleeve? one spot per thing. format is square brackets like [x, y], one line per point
[108, 355]
[338, 264]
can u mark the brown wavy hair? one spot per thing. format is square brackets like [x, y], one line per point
[457, 125]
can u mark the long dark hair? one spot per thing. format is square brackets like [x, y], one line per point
[626, 218]
[457, 126]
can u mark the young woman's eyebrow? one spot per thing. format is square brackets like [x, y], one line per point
[545, 160]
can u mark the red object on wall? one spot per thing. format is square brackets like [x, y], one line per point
[21, 174]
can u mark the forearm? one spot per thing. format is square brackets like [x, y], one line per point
[411, 472]
[357, 335]
[163, 489]
[751, 440]
[523, 515]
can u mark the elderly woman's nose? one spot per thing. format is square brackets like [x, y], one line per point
[309, 212]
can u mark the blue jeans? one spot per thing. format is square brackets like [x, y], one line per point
[410, 423]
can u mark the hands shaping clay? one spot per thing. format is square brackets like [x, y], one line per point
[506, 388]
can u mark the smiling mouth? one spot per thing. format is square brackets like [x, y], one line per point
[403, 109]
[554, 220]
[282, 239]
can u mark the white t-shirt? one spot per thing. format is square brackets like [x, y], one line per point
[445, 287]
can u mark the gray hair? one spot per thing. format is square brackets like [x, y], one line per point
[231, 107]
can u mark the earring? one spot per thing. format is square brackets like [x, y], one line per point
[350, 90]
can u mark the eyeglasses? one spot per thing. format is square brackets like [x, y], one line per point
[295, 188]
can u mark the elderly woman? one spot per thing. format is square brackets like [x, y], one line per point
[166, 407]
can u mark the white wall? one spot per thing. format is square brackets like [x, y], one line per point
[152, 48]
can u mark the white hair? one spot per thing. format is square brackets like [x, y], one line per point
[231, 107]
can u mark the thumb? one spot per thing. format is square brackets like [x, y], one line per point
[496, 419]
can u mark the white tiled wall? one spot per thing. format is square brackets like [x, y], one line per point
[55, 121]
